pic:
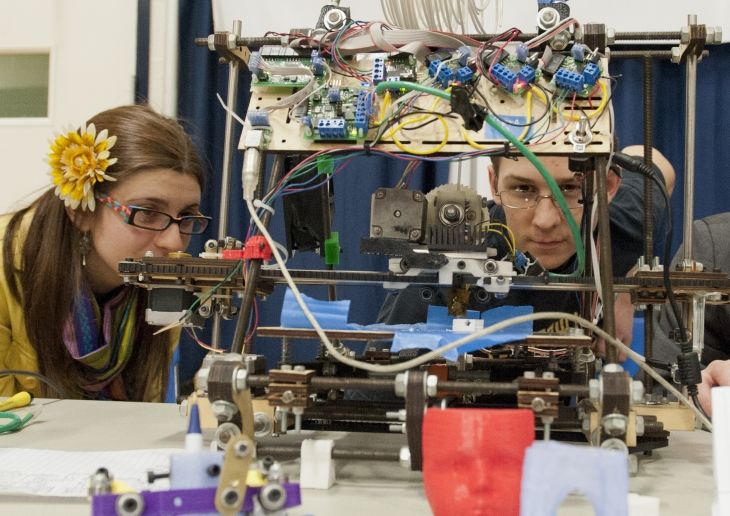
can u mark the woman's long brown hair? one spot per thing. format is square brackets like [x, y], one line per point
[49, 273]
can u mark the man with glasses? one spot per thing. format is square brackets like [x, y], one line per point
[523, 201]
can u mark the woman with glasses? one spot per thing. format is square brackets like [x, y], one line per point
[125, 185]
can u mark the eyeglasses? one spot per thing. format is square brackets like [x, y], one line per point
[154, 220]
[524, 197]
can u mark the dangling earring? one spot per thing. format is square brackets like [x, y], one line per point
[84, 247]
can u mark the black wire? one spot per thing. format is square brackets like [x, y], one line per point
[20, 372]
[696, 401]
[666, 252]
[427, 122]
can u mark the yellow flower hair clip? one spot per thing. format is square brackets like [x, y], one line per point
[79, 160]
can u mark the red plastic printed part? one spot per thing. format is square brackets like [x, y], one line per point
[256, 248]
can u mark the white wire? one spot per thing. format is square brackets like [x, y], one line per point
[594, 255]
[431, 355]
[229, 110]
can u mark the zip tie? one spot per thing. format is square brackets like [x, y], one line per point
[258, 204]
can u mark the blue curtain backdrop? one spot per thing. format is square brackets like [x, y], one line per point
[201, 77]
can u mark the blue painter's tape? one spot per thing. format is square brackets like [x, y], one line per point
[492, 134]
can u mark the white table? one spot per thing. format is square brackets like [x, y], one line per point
[680, 475]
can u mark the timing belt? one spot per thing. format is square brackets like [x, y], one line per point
[415, 406]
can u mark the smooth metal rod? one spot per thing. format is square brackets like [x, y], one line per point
[605, 259]
[689, 148]
[689, 170]
[228, 144]
[228, 148]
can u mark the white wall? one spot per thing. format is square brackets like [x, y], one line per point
[92, 46]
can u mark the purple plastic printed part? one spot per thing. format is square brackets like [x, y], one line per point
[186, 501]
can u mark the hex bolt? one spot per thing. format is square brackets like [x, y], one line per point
[538, 404]
[432, 385]
[491, 267]
[404, 457]
[614, 424]
[637, 391]
[223, 410]
[594, 389]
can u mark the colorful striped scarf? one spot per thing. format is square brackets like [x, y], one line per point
[102, 338]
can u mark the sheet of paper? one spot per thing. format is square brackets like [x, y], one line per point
[62, 473]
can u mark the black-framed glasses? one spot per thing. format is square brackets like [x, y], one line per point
[524, 198]
[154, 220]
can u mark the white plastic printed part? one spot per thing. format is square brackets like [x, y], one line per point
[318, 467]
[721, 449]
[467, 325]
[643, 505]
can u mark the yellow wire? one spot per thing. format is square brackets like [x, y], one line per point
[528, 116]
[425, 152]
[433, 150]
[598, 110]
[384, 107]
[509, 231]
[509, 244]
[471, 142]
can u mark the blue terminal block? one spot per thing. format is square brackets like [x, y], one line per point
[334, 95]
[569, 80]
[331, 128]
[433, 67]
[591, 73]
[363, 104]
[379, 73]
[527, 74]
[464, 74]
[361, 123]
[504, 76]
[317, 64]
[258, 118]
[446, 75]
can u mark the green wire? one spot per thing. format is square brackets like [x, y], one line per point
[397, 85]
[16, 422]
[552, 185]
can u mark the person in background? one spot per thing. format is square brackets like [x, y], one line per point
[523, 201]
[127, 183]
[710, 247]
